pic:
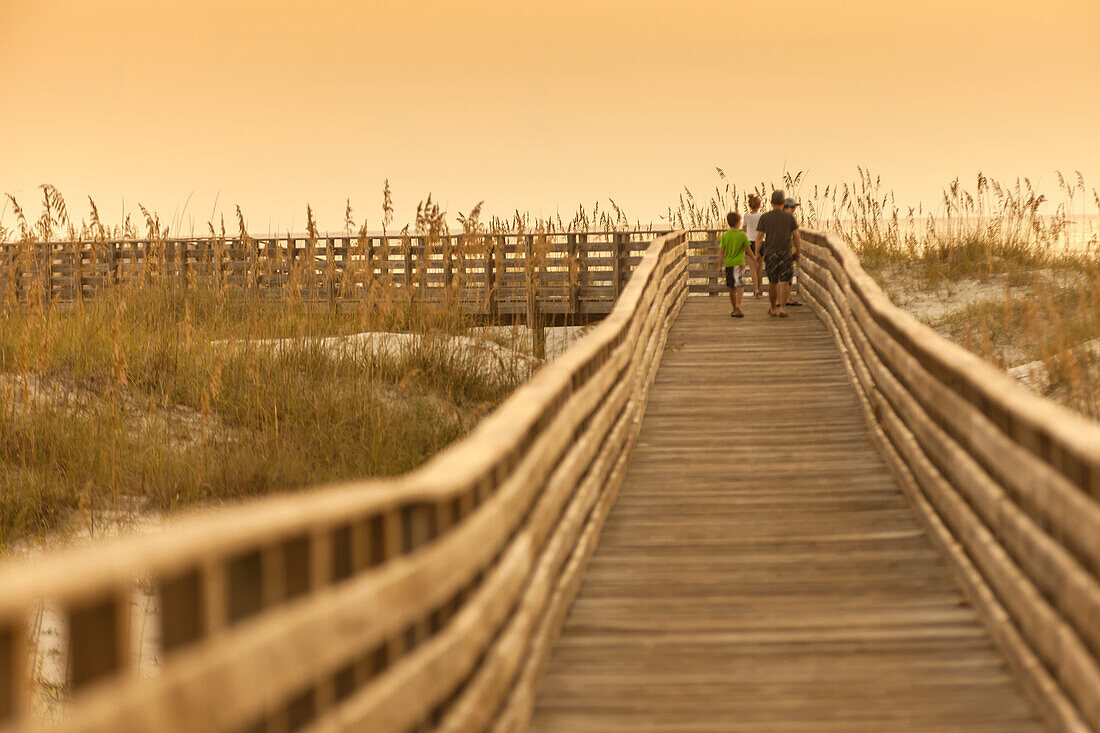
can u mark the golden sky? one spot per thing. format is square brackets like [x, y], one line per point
[530, 105]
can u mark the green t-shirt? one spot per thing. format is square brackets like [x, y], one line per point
[734, 243]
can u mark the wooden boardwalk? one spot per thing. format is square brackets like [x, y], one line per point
[761, 569]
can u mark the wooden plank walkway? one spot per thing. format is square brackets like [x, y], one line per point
[761, 569]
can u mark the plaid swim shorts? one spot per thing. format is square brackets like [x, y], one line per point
[779, 268]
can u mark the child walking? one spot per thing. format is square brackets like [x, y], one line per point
[734, 243]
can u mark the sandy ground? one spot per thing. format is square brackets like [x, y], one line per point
[934, 306]
[490, 346]
[1034, 374]
[558, 338]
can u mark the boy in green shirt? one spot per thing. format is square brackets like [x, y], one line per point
[734, 242]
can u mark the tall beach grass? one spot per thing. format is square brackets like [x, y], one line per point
[164, 392]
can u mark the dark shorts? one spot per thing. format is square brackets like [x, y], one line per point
[779, 268]
[735, 277]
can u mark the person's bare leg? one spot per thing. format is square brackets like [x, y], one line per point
[739, 295]
[773, 291]
[754, 267]
[733, 300]
[783, 294]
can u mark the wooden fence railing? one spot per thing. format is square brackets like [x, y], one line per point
[1008, 483]
[575, 273]
[429, 600]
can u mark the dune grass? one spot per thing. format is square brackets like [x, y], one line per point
[159, 398]
[1025, 282]
[164, 393]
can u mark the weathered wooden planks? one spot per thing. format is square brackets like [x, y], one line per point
[761, 569]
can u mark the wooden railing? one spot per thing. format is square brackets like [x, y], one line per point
[576, 273]
[428, 600]
[1008, 483]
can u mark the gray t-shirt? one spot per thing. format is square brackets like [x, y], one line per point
[777, 225]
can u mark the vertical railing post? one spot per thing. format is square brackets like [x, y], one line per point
[184, 261]
[490, 274]
[423, 262]
[617, 266]
[207, 268]
[712, 248]
[343, 267]
[534, 317]
[330, 271]
[500, 261]
[99, 637]
[461, 249]
[78, 271]
[17, 262]
[112, 263]
[47, 273]
[351, 269]
[13, 658]
[393, 544]
[294, 274]
[406, 246]
[583, 254]
[368, 279]
[320, 575]
[712, 245]
[252, 273]
[221, 253]
[573, 283]
[448, 261]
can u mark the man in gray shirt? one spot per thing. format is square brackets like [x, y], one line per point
[774, 233]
